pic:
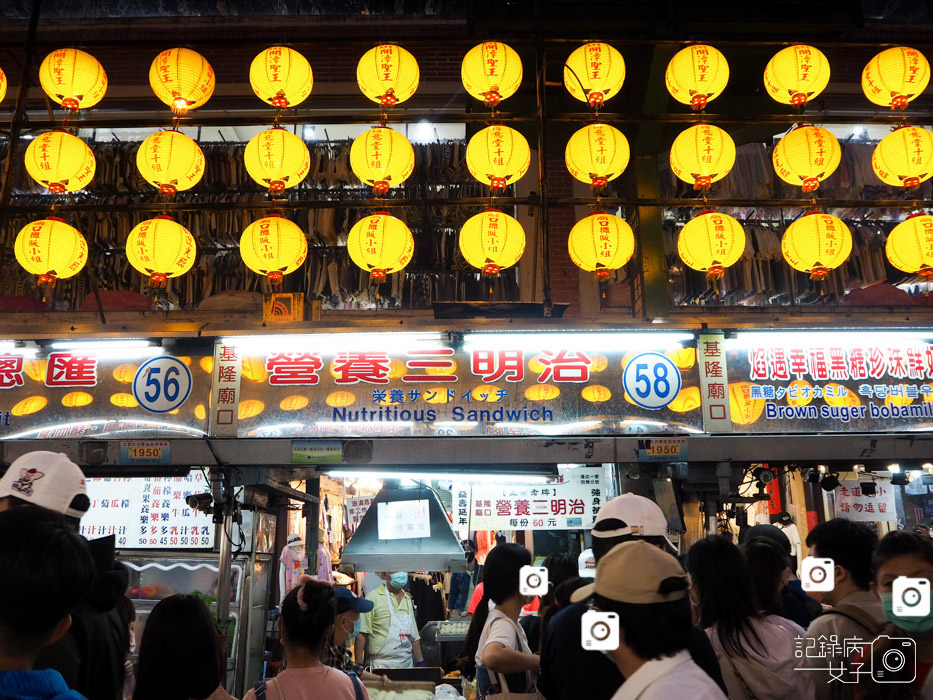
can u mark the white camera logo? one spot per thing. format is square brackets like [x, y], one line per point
[818, 574]
[533, 580]
[911, 597]
[599, 630]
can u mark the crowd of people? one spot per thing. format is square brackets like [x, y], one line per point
[724, 620]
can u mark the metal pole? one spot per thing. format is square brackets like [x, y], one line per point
[15, 127]
[543, 219]
[312, 520]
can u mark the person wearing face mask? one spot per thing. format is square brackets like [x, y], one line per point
[347, 626]
[901, 554]
[388, 634]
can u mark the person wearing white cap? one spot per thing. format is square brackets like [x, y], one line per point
[654, 623]
[91, 656]
[568, 671]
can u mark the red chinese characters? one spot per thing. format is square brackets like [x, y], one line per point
[11, 371]
[443, 367]
[67, 369]
[564, 366]
[355, 367]
[294, 368]
[493, 365]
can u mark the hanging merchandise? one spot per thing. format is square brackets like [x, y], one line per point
[491, 72]
[697, 75]
[382, 158]
[160, 248]
[796, 74]
[277, 159]
[498, 156]
[895, 76]
[170, 161]
[380, 244]
[601, 243]
[910, 246]
[596, 154]
[3, 85]
[593, 73]
[51, 249]
[60, 161]
[492, 241]
[711, 242]
[806, 156]
[388, 74]
[72, 78]
[281, 76]
[273, 247]
[816, 243]
[182, 79]
[904, 158]
[702, 154]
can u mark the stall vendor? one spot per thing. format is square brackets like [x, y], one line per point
[389, 633]
[346, 628]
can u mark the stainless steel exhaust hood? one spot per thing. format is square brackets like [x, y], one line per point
[439, 552]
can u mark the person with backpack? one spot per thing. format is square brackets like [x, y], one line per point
[856, 613]
[309, 614]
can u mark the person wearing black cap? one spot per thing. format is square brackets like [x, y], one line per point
[346, 628]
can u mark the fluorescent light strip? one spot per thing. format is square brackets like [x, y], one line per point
[595, 341]
[484, 477]
[100, 344]
[337, 342]
[868, 336]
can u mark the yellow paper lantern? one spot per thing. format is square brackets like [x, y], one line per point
[3, 85]
[904, 158]
[492, 241]
[486, 394]
[542, 392]
[124, 400]
[596, 393]
[601, 243]
[340, 399]
[36, 369]
[170, 161]
[816, 243]
[388, 74]
[491, 72]
[711, 242]
[277, 159]
[895, 76]
[397, 369]
[125, 373]
[293, 403]
[743, 408]
[498, 156]
[534, 364]
[182, 79]
[685, 358]
[436, 394]
[28, 406]
[439, 371]
[804, 391]
[185, 358]
[841, 396]
[382, 158]
[380, 244]
[160, 248]
[599, 363]
[696, 75]
[806, 156]
[250, 409]
[910, 246]
[596, 154]
[687, 399]
[72, 78]
[281, 76]
[594, 72]
[60, 161]
[207, 364]
[796, 74]
[200, 412]
[77, 399]
[274, 247]
[891, 400]
[702, 155]
[254, 369]
[51, 249]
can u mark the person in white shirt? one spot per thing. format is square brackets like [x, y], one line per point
[647, 589]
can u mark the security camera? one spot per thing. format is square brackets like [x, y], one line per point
[203, 502]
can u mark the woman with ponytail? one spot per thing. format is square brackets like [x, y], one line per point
[496, 647]
[309, 613]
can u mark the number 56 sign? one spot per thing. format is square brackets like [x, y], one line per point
[162, 384]
[651, 380]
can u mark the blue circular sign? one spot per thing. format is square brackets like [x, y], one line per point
[162, 384]
[651, 380]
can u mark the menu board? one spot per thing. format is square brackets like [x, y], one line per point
[148, 513]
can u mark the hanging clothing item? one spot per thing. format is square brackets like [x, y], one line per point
[325, 566]
[292, 564]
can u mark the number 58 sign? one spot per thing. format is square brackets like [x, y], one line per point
[651, 380]
[162, 384]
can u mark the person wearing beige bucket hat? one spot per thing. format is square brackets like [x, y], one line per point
[643, 623]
